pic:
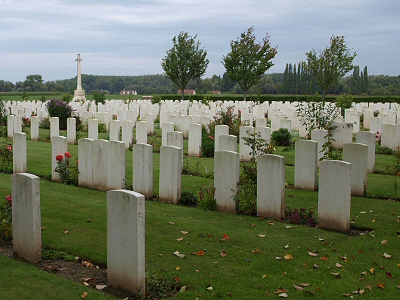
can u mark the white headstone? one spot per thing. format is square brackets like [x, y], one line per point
[226, 178]
[170, 182]
[20, 164]
[357, 155]
[26, 218]
[143, 169]
[126, 240]
[334, 195]
[271, 176]
[306, 165]
[368, 138]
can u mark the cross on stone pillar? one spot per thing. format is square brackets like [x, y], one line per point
[79, 93]
[79, 59]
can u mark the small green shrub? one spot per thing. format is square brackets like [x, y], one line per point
[99, 97]
[281, 137]
[158, 286]
[156, 99]
[188, 199]
[207, 143]
[207, 197]
[383, 149]
[67, 98]
[344, 101]
[60, 109]
[102, 128]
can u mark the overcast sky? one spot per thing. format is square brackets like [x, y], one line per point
[122, 37]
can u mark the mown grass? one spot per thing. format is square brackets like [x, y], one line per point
[251, 270]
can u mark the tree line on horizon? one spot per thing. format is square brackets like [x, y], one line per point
[288, 82]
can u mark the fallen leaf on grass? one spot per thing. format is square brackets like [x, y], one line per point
[253, 225]
[172, 223]
[84, 295]
[315, 266]
[210, 288]
[226, 237]
[184, 232]
[280, 290]
[313, 253]
[389, 275]
[283, 295]
[199, 253]
[373, 221]
[180, 239]
[304, 284]
[372, 270]
[271, 223]
[324, 258]
[337, 265]
[386, 255]
[177, 268]
[261, 235]
[299, 288]
[337, 275]
[359, 292]
[65, 232]
[100, 287]
[381, 285]
[370, 287]
[384, 242]
[288, 257]
[264, 276]
[286, 246]
[363, 212]
[180, 255]
[88, 279]
[364, 273]
[256, 251]
[289, 227]
[223, 253]
[86, 284]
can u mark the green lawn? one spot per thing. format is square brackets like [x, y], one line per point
[255, 266]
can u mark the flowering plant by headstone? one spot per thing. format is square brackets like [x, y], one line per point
[6, 156]
[60, 109]
[6, 219]
[68, 172]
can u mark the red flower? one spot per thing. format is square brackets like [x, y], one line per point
[9, 148]
[67, 154]
[211, 137]
[59, 157]
[9, 199]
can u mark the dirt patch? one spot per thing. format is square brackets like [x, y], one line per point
[79, 271]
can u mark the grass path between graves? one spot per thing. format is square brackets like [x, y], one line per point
[259, 257]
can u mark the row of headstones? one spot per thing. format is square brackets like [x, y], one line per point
[343, 134]
[125, 231]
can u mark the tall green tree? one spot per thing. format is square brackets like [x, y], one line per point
[248, 60]
[33, 83]
[185, 61]
[333, 62]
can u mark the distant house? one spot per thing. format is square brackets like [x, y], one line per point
[128, 92]
[216, 92]
[187, 92]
